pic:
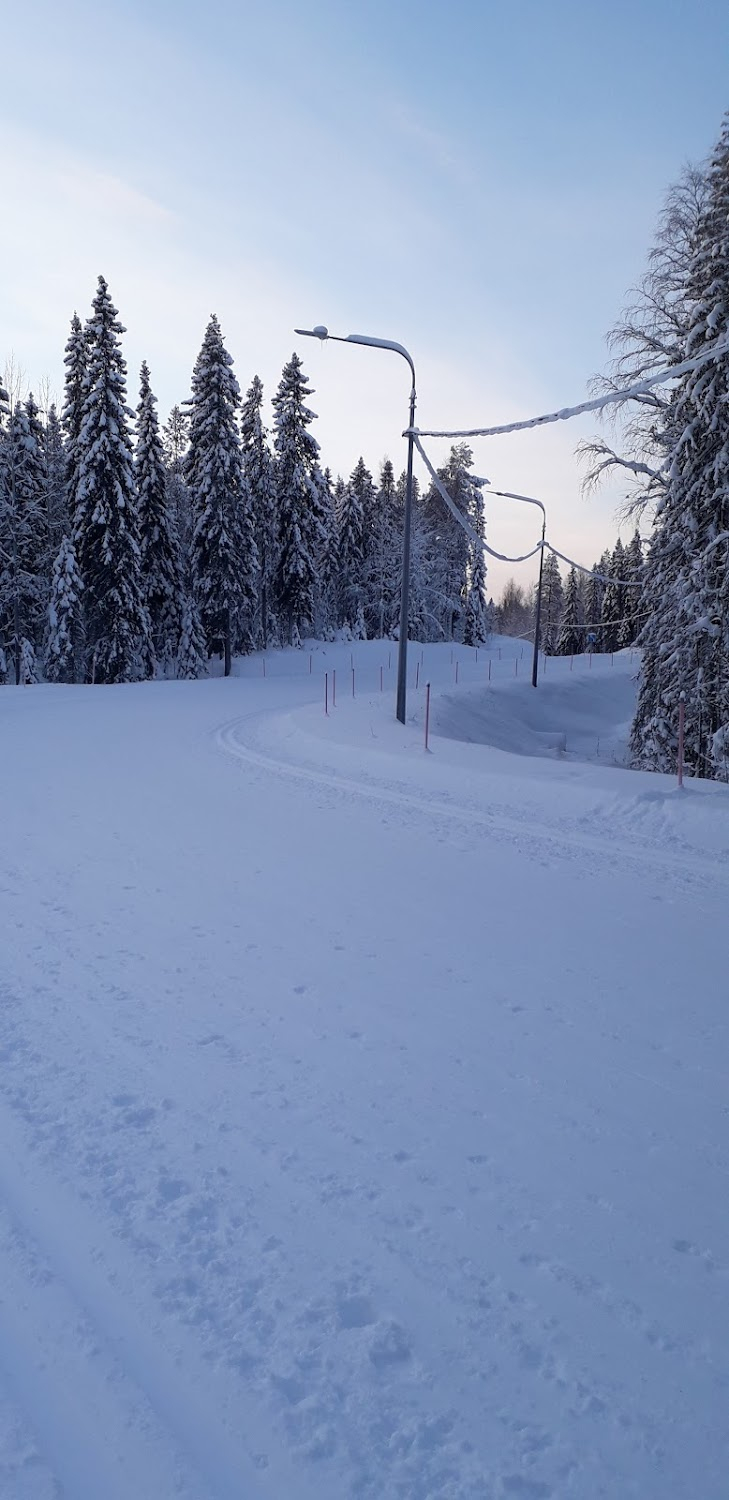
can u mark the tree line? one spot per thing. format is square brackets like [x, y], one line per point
[600, 610]
[674, 455]
[130, 548]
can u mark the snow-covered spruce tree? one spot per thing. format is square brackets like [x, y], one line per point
[75, 360]
[64, 615]
[633, 567]
[383, 560]
[106, 520]
[571, 635]
[35, 487]
[613, 601]
[552, 605]
[174, 445]
[593, 608]
[686, 637]
[22, 534]
[159, 551]
[354, 503]
[448, 543]
[192, 652]
[223, 552]
[259, 481]
[329, 564]
[476, 630]
[57, 514]
[300, 502]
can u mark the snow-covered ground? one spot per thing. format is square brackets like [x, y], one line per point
[363, 1113]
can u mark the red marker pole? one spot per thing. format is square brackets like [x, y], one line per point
[427, 712]
[681, 734]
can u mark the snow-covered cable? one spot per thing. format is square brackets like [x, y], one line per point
[461, 519]
[500, 556]
[623, 583]
[627, 393]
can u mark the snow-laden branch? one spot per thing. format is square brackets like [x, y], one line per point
[628, 393]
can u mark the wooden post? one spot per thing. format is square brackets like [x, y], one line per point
[427, 713]
[352, 681]
[417, 673]
[489, 669]
[380, 679]
[326, 692]
[334, 688]
[456, 670]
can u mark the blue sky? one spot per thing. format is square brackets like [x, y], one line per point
[478, 181]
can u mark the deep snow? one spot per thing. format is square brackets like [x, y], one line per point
[363, 1113]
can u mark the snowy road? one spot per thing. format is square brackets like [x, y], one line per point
[363, 1115]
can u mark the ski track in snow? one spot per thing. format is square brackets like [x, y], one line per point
[284, 1211]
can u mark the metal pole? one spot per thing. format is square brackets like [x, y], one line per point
[402, 649]
[538, 620]
[323, 334]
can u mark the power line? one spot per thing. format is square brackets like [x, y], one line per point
[627, 393]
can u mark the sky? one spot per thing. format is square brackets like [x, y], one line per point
[479, 182]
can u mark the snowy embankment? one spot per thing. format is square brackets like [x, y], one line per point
[362, 1113]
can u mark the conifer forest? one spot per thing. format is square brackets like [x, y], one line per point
[132, 547]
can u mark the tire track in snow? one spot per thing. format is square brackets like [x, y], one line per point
[70, 1270]
[552, 839]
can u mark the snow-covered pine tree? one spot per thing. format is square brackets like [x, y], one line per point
[300, 501]
[223, 552]
[686, 640]
[476, 629]
[159, 550]
[259, 480]
[64, 616]
[571, 635]
[106, 519]
[552, 605]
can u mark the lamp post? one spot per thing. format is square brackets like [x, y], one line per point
[402, 655]
[529, 500]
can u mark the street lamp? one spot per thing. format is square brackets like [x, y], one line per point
[402, 655]
[529, 500]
